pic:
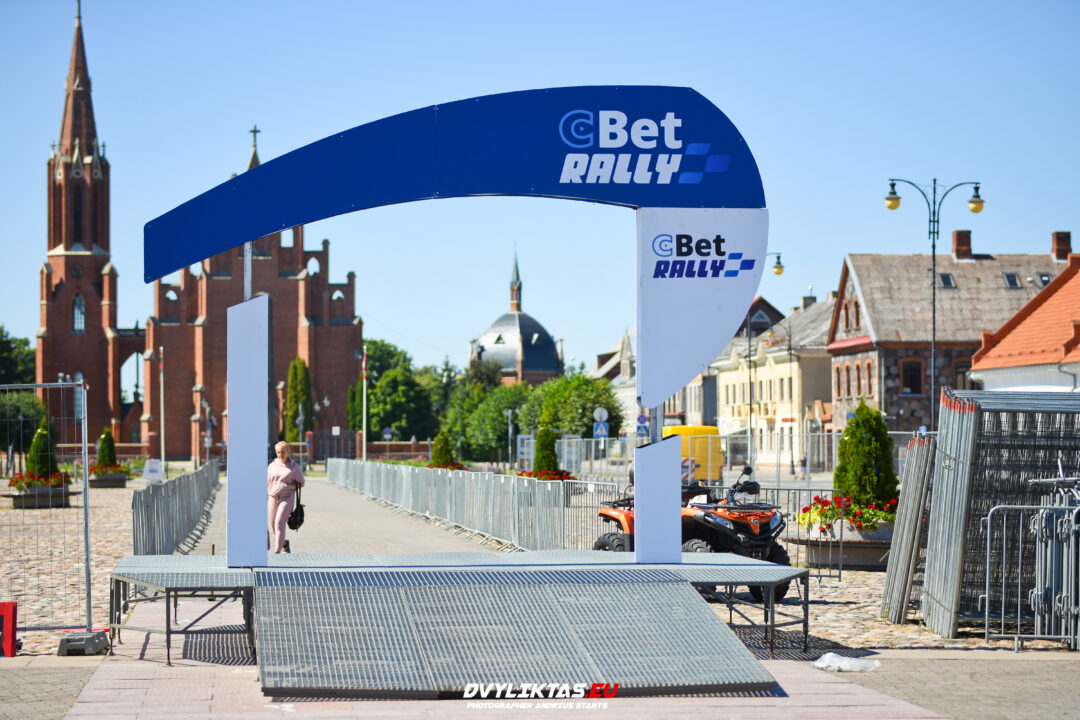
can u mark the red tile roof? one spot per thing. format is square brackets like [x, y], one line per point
[1043, 332]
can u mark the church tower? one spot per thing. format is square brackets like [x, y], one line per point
[78, 336]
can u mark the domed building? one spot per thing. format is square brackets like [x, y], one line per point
[520, 344]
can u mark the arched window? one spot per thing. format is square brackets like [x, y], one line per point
[869, 378]
[313, 266]
[847, 317]
[858, 377]
[847, 380]
[78, 314]
[78, 377]
[857, 318]
[839, 388]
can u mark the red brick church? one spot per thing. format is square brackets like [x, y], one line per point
[312, 318]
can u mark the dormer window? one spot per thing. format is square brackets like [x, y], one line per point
[1044, 279]
[1012, 281]
[947, 281]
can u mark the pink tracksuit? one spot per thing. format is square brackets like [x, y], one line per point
[281, 482]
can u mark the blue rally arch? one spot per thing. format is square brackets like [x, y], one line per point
[666, 152]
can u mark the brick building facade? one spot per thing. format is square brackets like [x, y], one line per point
[312, 318]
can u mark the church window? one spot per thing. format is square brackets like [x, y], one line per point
[77, 216]
[499, 340]
[78, 313]
[313, 266]
[338, 295]
[171, 295]
[911, 377]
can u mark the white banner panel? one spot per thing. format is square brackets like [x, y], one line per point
[248, 377]
[698, 272]
[657, 499]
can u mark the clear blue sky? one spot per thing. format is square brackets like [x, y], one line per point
[833, 99]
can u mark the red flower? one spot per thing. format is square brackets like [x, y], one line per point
[858, 525]
[806, 509]
[872, 506]
[822, 529]
[858, 513]
[836, 501]
[828, 525]
[893, 501]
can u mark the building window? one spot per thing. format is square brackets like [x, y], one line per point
[858, 381]
[78, 314]
[847, 380]
[847, 318]
[947, 281]
[858, 320]
[911, 377]
[781, 389]
[790, 392]
[962, 378]
[839, 392]
[869, 378]
[1044, 279]
[1012, 281]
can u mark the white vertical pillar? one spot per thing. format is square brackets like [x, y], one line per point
[248, 377]
[657, 518]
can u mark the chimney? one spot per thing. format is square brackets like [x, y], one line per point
[831, 295]
[961, 244]
[808, 300]
[1062, 245]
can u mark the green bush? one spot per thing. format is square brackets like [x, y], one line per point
[106, 449]
[41, 460]
[864, 469]
[545, 458]
[441, 454]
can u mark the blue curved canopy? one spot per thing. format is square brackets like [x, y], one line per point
[632, 146]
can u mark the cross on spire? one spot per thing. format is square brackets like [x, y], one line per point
[254, 136]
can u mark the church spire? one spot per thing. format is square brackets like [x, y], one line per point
[78, 119]
[515, 288]
[254, 146]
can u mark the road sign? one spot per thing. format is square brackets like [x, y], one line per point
[386, 433]
[152, 471]
[643, 431]
[600, 415]
[642, 420]
[336, 430]
[599, 430]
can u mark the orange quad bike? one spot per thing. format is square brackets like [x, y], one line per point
[732, 524]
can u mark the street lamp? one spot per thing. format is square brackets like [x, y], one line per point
[778, 269]
[933, 204]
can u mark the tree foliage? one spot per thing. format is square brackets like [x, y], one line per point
[20, 415]
[441, 454]
[864, 469]
[568, 402]
[297, 397]
[382, 356]
[106, 449]
[466, 396]
[401, 404]
[16, 359]
[41, 461]
[545, 457]
[486, 428]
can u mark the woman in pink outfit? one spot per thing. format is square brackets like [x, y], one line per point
[282, 478]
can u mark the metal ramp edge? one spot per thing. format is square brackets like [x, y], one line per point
[427, 633]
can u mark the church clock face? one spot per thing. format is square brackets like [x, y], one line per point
[76, 270]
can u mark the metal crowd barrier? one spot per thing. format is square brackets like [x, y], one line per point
[528, 513]
[164, 514]
[909, 531]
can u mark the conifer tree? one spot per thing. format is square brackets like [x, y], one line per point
[441, 454]
[106, 449]
[297, 396]
[545, 458]
[864, 469]
[41, 460]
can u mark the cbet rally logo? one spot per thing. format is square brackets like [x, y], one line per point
[639, 151]
[696, 257]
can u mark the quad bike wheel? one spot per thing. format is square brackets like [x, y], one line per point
[612, 542]
[777, 554]
[696, 545]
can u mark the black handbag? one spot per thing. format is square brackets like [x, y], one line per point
[296, 517]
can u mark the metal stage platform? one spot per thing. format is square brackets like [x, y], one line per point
[425, 625]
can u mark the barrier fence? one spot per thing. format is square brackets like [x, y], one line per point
[44, 528]
[548, 514]
[164, 514]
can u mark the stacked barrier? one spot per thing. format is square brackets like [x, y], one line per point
[164, 514]
[909, 530]
[991, 445]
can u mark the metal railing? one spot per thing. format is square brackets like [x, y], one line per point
[164, 514]
[45, 536]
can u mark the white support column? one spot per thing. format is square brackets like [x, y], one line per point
[248, 379]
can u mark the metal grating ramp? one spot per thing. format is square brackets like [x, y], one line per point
[429, 632]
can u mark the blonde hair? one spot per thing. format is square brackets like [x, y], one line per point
[280, 444]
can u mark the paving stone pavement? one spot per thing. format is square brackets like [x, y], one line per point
[214, 679]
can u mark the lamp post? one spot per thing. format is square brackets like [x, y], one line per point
[933, 204]
[778, 269]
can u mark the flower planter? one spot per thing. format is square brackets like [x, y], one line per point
[862, 549]
[110, 480]
[41, 497]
